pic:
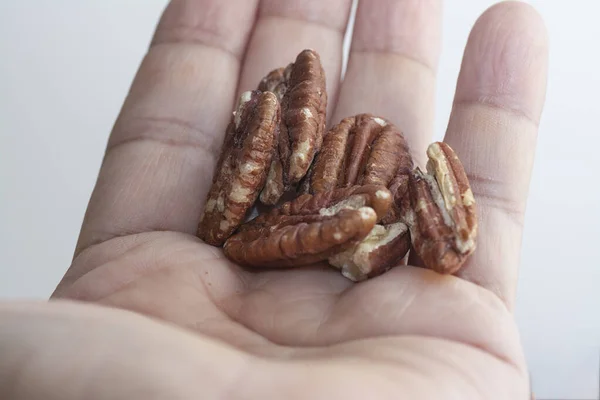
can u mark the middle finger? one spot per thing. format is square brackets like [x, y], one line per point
[283, 29]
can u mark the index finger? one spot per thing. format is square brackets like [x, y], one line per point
[161, 153]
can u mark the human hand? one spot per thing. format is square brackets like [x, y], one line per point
[221, 332]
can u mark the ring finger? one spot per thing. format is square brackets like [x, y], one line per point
[392, 66]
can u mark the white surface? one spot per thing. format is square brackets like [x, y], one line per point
[65, 69]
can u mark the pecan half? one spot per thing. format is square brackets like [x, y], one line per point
[242, 167]
[383, 247]
[310, 228]
[301, 89]
[361, 150]
[276, 81]
[442, 217]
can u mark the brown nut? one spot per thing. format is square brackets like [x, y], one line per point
[361, 150]
[310, 228]
[276, 81]
[301, 89]
[383, 247]
[241, 171]
[442, 215]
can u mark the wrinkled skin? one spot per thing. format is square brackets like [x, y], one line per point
[184, 323]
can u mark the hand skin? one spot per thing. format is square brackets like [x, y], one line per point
[147, 311]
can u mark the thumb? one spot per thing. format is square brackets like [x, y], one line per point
[65, 351]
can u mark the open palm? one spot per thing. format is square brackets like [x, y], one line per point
[307, 333]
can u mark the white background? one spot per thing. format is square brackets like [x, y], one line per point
[65, 67]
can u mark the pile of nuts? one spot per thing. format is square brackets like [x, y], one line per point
[350, 196]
